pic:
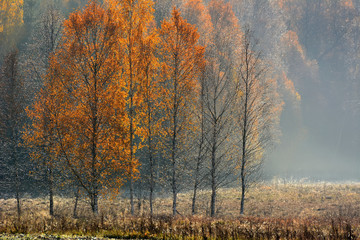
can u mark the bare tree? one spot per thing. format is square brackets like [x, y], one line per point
[199, 172]
[11, 122]
[220, 95]
[196, 13]
[182, 61]
[44, 43]
[259, 111]
[150, 115]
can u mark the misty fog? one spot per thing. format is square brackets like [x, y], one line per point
[320, 134]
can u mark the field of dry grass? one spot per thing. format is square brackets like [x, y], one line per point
[272, 211]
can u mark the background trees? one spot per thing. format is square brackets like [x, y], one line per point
[11, 20]
[45, 40]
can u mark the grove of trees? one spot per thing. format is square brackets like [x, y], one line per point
[115, 98]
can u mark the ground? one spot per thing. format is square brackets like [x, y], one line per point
[277, 210]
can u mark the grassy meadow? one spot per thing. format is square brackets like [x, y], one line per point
[272, 211]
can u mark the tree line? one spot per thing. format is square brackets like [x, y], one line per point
[119, 100]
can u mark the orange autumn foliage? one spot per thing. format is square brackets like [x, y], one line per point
[291, 39]
[149, 116]
[289, 86]
[196, 13]
[347, 3]
[85, 102]
[135, 17]
[11, 14]
[11, 24]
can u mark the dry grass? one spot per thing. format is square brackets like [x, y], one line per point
[272, 211]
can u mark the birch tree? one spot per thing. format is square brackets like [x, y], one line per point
[182, 62]
[150, 116]
[220, 96]
[196, 13]
[87, 103]
[45, 42]
[134, 16]
[259, 111]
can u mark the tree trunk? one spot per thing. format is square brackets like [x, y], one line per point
[151, 202]
[94, 203]
[242, 196]
[243, 184]
[17, 189]
[17, 182]
[213, 189]
[244, 144]
[194, 198]
[196, 184]
[132, 211]
[77, 195]
[18, 203]
[139, 205]
[174, 190]
[95, 173]
[174, 186]
[200, 153]
[139, 197]
[51, 193]
[173, 149]
[131, 163]
[151, 184]
[213, 173]
[197, 173]
[151, 160]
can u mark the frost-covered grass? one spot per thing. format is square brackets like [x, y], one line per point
[273, 210]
